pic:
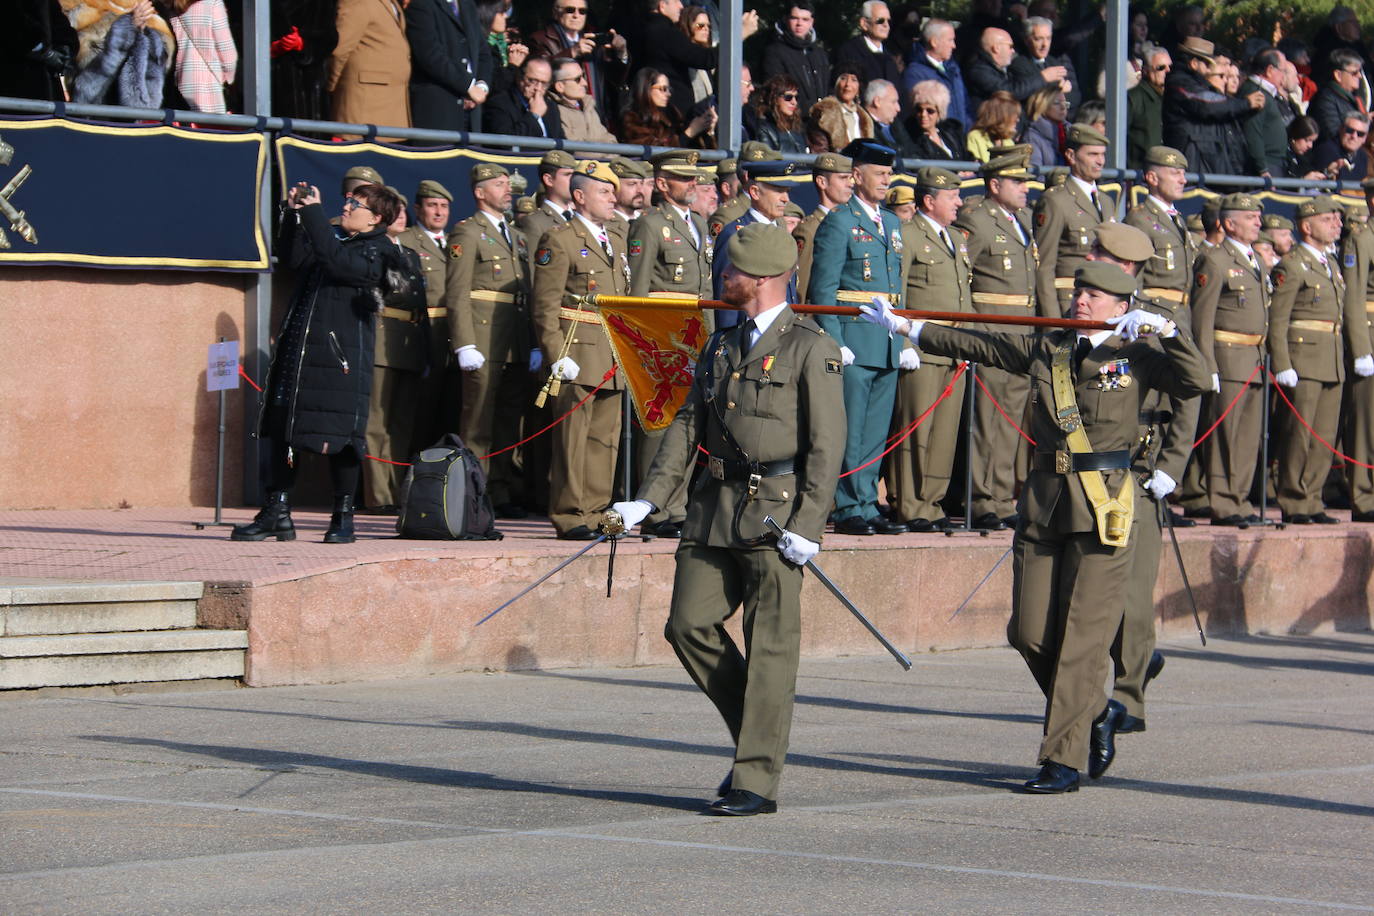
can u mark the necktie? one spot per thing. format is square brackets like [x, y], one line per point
[505, 234]
[606, 246]
[746, 337]
[1179, 224]
[887, 135]
[1097, 202]
[1080, 352]
[567, 216]
[691, 229]
[944, 237]
[1254, 264]
[878, 221]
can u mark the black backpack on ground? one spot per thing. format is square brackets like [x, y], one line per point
[445, 496]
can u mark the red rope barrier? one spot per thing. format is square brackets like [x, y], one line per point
[1229, 407]
[610, 374]
[1331, 448]
[979, 379]
[906, 433]
[256, 386]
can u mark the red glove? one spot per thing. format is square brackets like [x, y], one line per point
[291, 41]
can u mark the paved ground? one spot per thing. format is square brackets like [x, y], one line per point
[577, 792]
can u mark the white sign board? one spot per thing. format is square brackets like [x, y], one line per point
[222, 372]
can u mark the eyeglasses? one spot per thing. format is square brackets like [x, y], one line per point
[353, 203]
[1354, 131]
[580, 78]
[1355, 72]
[880, 21]
[656, 86]
[1160, 68]
[927, 109]
[788, 96]
[573, 10]
[702, 25]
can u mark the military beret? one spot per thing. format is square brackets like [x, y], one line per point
[364, 173]
[1265, 239]
[556, 159]
[1275, 221]
[1104, 276]
[431, 188]
[1084, 135]
[934, 178]
[1193, 222]
[485, 171]
[870, 152]
[1010, 162]
[1239, 201]
[525, 205]
[1125, 243]
[779, 174]
[1166, 156]
[793, 209]
[900, 194]
[1318, 206]
[757, 151]
[832, 162]
[1056, 176]
[705, 176]
[1213, 204]
[1200, 48]
[762, 250]
[727, 167]
[630, 168]
[681, 162]
[404, 201]
[1357, 217]
[594, 168]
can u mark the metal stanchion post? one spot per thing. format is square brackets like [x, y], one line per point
[970, 393]
[1264, 449]
[626, 440]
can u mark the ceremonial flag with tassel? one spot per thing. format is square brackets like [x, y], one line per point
[657, 350]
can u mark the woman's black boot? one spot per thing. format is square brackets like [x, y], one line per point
[341, 522]
[272, 521]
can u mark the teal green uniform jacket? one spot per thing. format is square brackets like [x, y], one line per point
[849, 254]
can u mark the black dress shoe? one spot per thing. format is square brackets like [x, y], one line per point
[1053, 779]
[1152, 670]
[1103, 750]
[1321, 518]
[1197, 512]
[883, 526]
[1129, 724]
[580, 533]
[665, 530]
[1365, 517]
[1182, 521]
[742, 803]
[989, 521]
[926, 526]
[1298, 518]
[512, 510]
[1231, 521]
[1012, 520]
[723, 789]
[853, 525]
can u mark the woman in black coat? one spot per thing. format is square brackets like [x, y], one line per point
[320, 380]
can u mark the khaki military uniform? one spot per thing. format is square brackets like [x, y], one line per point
[1065, 220]
[488, 308]
[1002, 264]
[1066, 606]
[917, 471]
[570, 262]
[783, 403]
[441, 390]
[668, 256]
[1357, 271]
[805, 234]
[538, 221]
[1230, 303]
[1306, 316]
[728, 212]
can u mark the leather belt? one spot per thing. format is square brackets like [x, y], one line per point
[738, 469]
[1062, 462]
[439, 312]
[1063, 282]
[581, 315]
[1006, 299]
[866, 297]
[1168, 295]
[1311, 324]
[1233, 337]
[491, 295]
[405, 315]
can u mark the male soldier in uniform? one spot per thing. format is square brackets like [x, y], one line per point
[833, 177]
[670, 255]
[555, 201]
[489, 323]
[440, 396]
[1066, 216]
[727, 189]
[737, 203]
[1357, 270]
[707, 199]
[577, 258]
[636, 187]
[1280, 229]
[767, 407]
[1072, 550]
[1002, 261]
[858, 256]
[901, 200]
[766, 184]
[1308, 350]
[1230, 303]
[935, 263]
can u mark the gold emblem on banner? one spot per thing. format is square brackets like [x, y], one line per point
[18, 222]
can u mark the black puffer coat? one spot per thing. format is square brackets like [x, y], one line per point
[1204, 124]
[321, 375]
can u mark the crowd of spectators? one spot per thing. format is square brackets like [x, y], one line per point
[1009, 72]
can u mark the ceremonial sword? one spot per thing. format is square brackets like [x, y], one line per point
[773, 526]
[1173, 536]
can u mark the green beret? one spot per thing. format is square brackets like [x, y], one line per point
[1275, 221]
[1085, 135]
[364, 173]
[1318, 206]
[1240, 201]
[934, 178]
[681, 162]
[485, 171]
[1056, 176]
[1194, 222]
[556, 159]
[525, 205]
[833, 162]
[900, 194]
[1010, 162]
[1107, 277]
[1166, 156]
[762, 250]
[629, 168]
[727, 167]
[705, 176]
[757, 151]
[404, 201]
[1125, 243]
[1265, 238]
[431, 188]
[793, 209]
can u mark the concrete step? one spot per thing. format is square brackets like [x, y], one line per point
[33, 607]
[120, 658]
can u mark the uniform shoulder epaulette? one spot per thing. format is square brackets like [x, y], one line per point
[808, 322]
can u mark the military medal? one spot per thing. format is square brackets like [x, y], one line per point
[868, 269]
[1006, 263]
[767, 367]
[584, 253]
[667, 233]
[1115, 373]
[677, 273]
[1169, 258]
[897, 242]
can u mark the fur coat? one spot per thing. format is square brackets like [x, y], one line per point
[113, 52]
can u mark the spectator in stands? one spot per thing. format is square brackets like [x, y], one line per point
[451, 69]
[982, 15]
[507, 54]
[931, 135]
[865, 53]
[1340, 32]
[1337, 98]
[524, 110]
[1198, 115]
[778, 108]
[36, 48]
[1137, 38]
[1266, 134]
[1290, 98]
[206, 58]
[932, 58]
[1302, 136]
[989, 70]
[668, 51]
[840, 117]
[1047, 112]
[997, 123]
[369, 75]
[604, 59]
[749, 122]
[1188, 21]
[695, 23]
[882, 105]
[795, 52]
[1344, 157]
[1298, 56]
[1039, 40]
[1145, 107]
[576, 109]
[1093, 113]
[653, 120]
[127, 64]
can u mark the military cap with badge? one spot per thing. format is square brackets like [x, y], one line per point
[1010, 162]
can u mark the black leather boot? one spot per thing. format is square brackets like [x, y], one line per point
[272, 521]
[341, 522]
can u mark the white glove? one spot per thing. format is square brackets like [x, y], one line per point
[1288, 378]
[797, 549]
[1140, 323]
[1216, 383]
[1160, 485]
[909, 358]
[470, 359]
[1364, 366]
[536, 359]
[633, 512]
[565, 369]
[880, 313]
[846, 356]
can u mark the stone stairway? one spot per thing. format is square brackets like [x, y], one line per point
[64, 633]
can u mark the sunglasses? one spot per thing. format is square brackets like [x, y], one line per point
[788, 96]
[573, 10]
[880, 21]
[1160, 68]
[353, 203]
[927, 109]
[1354, 131]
